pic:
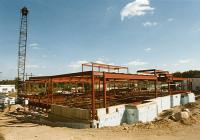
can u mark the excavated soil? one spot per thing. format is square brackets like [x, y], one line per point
[33, 126]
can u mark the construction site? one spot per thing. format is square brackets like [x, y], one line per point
[100, 96]
[103, 96]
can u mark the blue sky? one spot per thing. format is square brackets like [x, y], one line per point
[140, 34]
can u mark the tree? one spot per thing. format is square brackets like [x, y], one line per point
[188, 74]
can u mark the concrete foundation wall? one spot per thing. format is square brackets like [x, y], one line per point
[175, 100]
[191, 97]
[166, 102]
[158, 102]
[74, 113]
[144, 112]
[114, 116]
[187, 98]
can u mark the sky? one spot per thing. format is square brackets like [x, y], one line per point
[63, 34]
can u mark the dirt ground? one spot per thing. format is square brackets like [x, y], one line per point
[163, 128]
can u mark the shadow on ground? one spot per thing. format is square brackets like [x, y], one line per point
[1, 137]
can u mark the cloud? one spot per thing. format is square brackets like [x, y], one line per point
[77, 64]
[150, 24]
[29, 66]
[103, 60]
[34, 46]
[147, 49]
[170, 19]
[136, 63]
[185, 61]
[136, 8]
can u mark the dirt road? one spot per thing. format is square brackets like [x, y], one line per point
[13, 129]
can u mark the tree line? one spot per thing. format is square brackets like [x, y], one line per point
[188, 74]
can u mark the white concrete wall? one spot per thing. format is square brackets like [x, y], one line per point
[158, 102]
[187, 98]
[191, 97]
[144, 112]
[175, 100]
[113, 117]
[166, 102]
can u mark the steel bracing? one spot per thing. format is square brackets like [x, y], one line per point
[22, 50]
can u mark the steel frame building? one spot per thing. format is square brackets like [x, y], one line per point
[102, 86]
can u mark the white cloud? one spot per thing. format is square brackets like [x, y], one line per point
[77, 64]
[185, 61]
[36, 48]
[182, 62]
[170, 19]
[103, 60]
[29, 66]
[136, 63]
[147, 49]
[33, 44]
[136, 8]
[150, 24]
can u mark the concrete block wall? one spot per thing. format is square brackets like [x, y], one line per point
[74, 113]
[175, 100]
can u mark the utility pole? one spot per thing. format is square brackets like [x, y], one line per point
[22, 50]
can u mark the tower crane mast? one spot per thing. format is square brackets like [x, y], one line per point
[22, 50]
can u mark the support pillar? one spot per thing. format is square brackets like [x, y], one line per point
[104, 89]
[169, 90]
[93, 97]
[155, 84]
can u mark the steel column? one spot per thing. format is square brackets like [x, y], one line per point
[104, 89]
[93, 96]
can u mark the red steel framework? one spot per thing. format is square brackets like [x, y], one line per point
[102, 88]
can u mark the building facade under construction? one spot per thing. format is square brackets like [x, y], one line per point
[99, 87]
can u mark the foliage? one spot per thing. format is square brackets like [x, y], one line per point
[188, 74]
